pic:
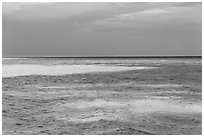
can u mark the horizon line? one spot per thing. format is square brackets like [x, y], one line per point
[106, 56]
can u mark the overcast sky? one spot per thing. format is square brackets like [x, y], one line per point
[100, 29]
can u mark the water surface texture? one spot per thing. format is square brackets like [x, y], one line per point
[130, 96]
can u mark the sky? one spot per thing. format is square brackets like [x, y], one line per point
[101, 29]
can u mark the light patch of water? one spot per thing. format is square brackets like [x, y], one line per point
[121, 109]
[14, 58]
[162, 85]
[22, 70]
[148, 85]
[140, 106]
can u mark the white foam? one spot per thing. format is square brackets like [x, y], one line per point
[22, 70]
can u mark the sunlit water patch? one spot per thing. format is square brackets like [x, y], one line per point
[22, 70]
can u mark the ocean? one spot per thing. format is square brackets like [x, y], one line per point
[65, 65]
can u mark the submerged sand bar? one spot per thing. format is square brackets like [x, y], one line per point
[22, 70]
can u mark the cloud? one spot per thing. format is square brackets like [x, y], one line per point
[104, 15]
[40, 11]
[153, 11]
[140, 14]
[151, 17]
[48, 10]
[12, 7]
[101, 29]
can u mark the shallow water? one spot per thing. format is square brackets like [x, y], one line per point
[22, 70]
